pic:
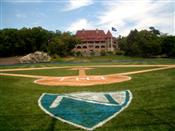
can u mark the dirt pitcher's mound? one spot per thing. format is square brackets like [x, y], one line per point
[81, 81]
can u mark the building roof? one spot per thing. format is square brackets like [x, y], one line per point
[93, 35]
[108, 34]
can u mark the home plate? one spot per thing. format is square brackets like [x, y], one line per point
[81, 80]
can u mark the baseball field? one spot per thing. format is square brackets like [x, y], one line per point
[151, 81]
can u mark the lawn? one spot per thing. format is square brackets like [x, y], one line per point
[152, 107]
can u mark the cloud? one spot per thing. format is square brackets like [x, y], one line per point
[75, 4]
[80, 24]
[127, 15]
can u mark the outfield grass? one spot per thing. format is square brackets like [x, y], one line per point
[152, 107]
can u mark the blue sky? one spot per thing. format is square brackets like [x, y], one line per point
[72, 15]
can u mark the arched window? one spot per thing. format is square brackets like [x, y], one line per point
[78, 47]
[84, 47]
[102, 46]
[97, 46]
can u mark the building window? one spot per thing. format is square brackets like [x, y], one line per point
[78, 47]
[97, 46]
[84, 47]
[102, 46]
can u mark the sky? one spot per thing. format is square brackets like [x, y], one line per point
[73, 15]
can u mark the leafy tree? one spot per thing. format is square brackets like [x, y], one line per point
[132, 43]
[122, 43]
[143, 43]
[155, 31]
[56, 46]
[149, 44]
[168, 46]
[8, 42]
[26, 40]
[63, 44]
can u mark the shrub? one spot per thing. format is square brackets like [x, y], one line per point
[119, 52]
[102, 53]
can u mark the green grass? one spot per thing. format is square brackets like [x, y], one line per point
[113, 70]
[67, 72]
[152, 107]
[116, 59]
[48, 72]
[96, 60]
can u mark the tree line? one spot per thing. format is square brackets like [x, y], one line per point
[147, 43]
[26, 40]
[144, 43]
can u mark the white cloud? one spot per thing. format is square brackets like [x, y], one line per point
[127, 15]
[75, 4]
[79, 25]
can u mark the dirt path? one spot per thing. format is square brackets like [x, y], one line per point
[22, 75]
[82, 72]
[10, 60]
[143, 71]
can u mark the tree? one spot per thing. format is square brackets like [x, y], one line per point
[149, 44]
[154, 31]
[62, 44]
[122, 43]
[143, 43]
[70, 42]
[8, 42]
[26, 40]
[168, 46]
[56, 46]
[132, 43]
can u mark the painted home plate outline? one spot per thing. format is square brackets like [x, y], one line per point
[83, 79]
[105, 105]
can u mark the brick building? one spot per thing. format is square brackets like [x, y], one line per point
[95, 41]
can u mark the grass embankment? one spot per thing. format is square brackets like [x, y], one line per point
[152, 107]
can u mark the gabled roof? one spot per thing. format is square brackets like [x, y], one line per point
[108, 34]
[91, 35]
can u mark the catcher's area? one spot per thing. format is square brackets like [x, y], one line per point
[85, 80]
